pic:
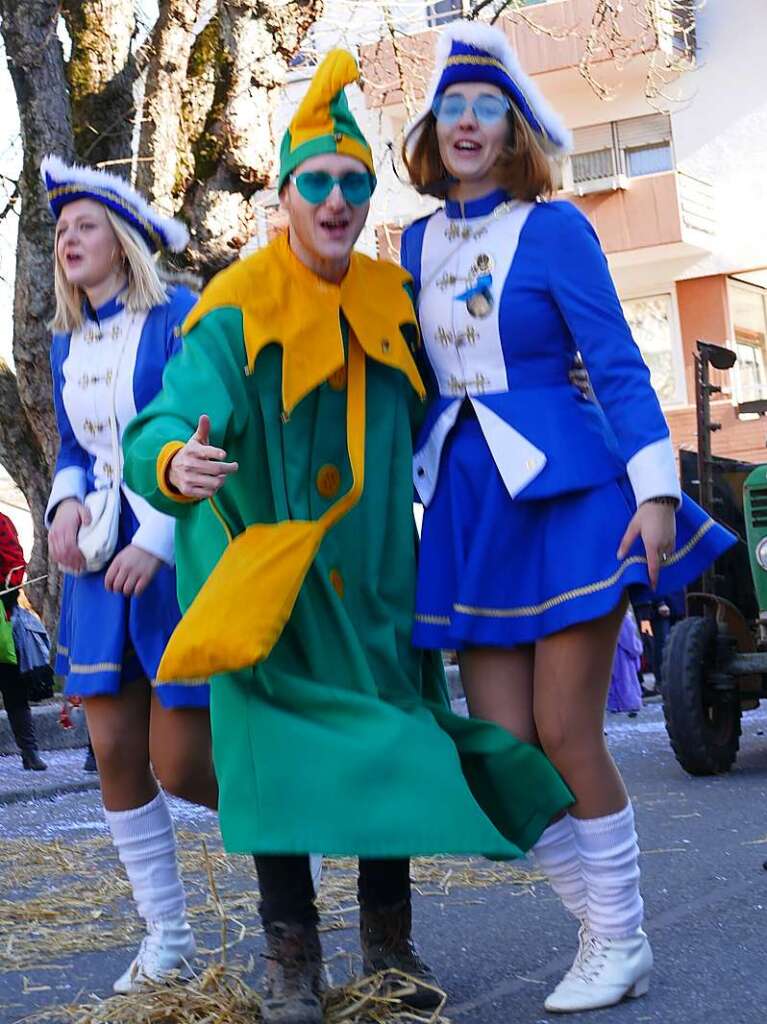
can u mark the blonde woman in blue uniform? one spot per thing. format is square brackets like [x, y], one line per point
[541, 507]
[116, 326]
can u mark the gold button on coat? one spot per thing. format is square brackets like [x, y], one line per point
[337, 582]
[328, 481]
[337, 380]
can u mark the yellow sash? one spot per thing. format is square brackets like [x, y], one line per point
[242, 608]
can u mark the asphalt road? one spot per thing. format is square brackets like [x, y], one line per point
[498, 950]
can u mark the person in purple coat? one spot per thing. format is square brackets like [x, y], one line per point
[625, 693]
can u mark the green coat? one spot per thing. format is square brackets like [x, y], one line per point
[341, 739]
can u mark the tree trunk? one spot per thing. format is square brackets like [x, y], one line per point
[172, 41]
[101, 73]
[233, 153]
[28, 436]
[206, 144]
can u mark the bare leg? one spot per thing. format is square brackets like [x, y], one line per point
[499, 687]
[180, 744]
[119, 731]
[498, 683]
[572, 676]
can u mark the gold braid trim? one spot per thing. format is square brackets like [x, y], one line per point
[66, 190]
[524, 611]
[99, 666]
[179, 682]
[469, 59]
[433, 620]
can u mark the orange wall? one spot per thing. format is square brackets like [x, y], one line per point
[559, 43]
[704, 314]
[644, 215]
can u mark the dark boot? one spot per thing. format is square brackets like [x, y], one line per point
[24, 731]
[89, 764]
[293, 981]
[385, 937]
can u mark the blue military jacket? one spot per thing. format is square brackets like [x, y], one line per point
[115, 358]
[507, 293]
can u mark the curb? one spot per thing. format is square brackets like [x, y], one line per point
[46, 791]
[50, 735]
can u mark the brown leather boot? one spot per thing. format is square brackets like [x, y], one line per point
[385, 937]
[293, 981]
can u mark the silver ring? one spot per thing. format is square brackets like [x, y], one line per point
[664, 556]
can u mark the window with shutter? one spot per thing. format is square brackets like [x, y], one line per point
[646, 143]
[440, 11]
[593, 153]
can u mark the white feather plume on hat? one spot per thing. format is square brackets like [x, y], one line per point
[492, 40]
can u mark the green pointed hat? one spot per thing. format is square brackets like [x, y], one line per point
[323, 122]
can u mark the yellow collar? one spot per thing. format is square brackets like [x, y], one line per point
[284, 302]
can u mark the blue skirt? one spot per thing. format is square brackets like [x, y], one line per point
[500, 572]
[106, 639]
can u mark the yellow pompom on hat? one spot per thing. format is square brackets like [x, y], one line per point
[323, 122]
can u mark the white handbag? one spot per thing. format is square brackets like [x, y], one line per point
[98, 539]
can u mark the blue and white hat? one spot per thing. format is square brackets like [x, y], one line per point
[471, 51]
[65, 184]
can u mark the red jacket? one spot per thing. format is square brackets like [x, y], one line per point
[11, 554]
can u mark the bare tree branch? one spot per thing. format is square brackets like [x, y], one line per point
[11, 202]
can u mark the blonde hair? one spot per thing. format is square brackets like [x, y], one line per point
[145, 287]
[523, 169]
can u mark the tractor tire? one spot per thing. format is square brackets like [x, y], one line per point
[704, 736]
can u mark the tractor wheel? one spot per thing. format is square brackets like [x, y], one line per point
[704, 733]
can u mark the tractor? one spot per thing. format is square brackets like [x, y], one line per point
[715, 659]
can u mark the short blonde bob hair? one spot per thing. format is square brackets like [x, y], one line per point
[523, 169]
[145, 287]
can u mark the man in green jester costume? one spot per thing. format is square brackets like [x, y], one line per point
[282, 442]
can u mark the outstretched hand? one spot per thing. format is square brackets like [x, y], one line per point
[198, 470]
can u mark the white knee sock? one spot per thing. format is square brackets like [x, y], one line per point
[146, 845]
[609, 856]
[557, 856]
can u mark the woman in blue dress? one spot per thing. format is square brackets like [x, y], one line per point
[115, 327]
[541, 507]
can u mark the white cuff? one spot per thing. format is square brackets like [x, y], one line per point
[426, 460]
[156, 532]
[156, 535]
[652, 472]
[70, 482]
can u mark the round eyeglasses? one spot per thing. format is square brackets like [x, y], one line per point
[315, 186]
[449, 108]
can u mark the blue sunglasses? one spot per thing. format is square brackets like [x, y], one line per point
[449, 108]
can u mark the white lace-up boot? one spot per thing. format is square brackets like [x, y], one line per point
[614, 958]
[163, 956]
[605, 972]
[146, 846]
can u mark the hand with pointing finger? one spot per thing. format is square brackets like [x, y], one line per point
[198, 470]
[656, 525]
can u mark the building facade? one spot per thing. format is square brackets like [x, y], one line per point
[673, 186]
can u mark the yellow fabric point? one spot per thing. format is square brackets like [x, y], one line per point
[313, 116]
[284, 303]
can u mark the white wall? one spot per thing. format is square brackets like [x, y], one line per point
[721, 135]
